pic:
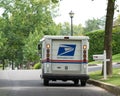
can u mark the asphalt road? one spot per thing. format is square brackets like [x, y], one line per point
[28, 83]
[99, 67]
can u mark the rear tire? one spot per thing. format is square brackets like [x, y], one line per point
[46, 82]
[83, 82]
[76, 82]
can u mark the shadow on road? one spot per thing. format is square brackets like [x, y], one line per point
[34, 83]
[62, 84]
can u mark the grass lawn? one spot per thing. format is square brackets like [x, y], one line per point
[116, 58]
[114, 79]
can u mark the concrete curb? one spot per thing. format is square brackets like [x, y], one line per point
[109, 87]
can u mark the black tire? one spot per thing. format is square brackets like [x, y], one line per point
[83, 82]
[76, 82]
[46, 82]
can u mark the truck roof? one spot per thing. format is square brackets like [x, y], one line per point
[64, 37]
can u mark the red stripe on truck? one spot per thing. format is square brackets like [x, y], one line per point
[64, 61]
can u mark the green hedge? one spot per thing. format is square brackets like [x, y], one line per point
[97, 42]
[116, 41]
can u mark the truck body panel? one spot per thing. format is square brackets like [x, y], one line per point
[65, 58]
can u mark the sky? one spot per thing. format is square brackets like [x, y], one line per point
[83, 10]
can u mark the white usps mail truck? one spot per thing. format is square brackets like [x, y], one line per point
[64, 58]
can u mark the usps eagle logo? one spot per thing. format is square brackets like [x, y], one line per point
[66, 50]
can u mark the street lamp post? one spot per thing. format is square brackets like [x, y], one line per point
[71, 16]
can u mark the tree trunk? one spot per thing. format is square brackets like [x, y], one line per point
[3, 61]
[12, 65]
[108, 34]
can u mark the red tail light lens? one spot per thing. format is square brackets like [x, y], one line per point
[48, 52]
[84, 56]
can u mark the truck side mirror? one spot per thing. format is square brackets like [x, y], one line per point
[39, 46]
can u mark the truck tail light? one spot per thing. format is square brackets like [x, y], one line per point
[48, 46]
[84, 53]
[48, 52]
[84, 46]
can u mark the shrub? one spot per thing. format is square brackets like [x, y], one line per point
[116, 41]
[97, 42]
[37, 66]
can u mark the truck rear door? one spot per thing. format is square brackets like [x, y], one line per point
[66, 55]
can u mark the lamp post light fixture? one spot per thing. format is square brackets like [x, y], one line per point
[71, 16]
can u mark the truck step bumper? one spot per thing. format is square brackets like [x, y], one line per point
[65, 76]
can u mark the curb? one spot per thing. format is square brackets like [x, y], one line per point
[109, 87]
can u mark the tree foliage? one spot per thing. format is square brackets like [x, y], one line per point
[64, 29]
[94, 24]
[23, 22]
[78, 30]
[117, 21]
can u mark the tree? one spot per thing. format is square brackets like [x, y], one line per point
[78, 30]
[94, 24]
[117, 21]
[22, 18]
[108, 34]
[3, 41]
[64, 29]
[30, 48]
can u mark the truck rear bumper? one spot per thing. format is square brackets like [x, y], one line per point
[65, 76]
